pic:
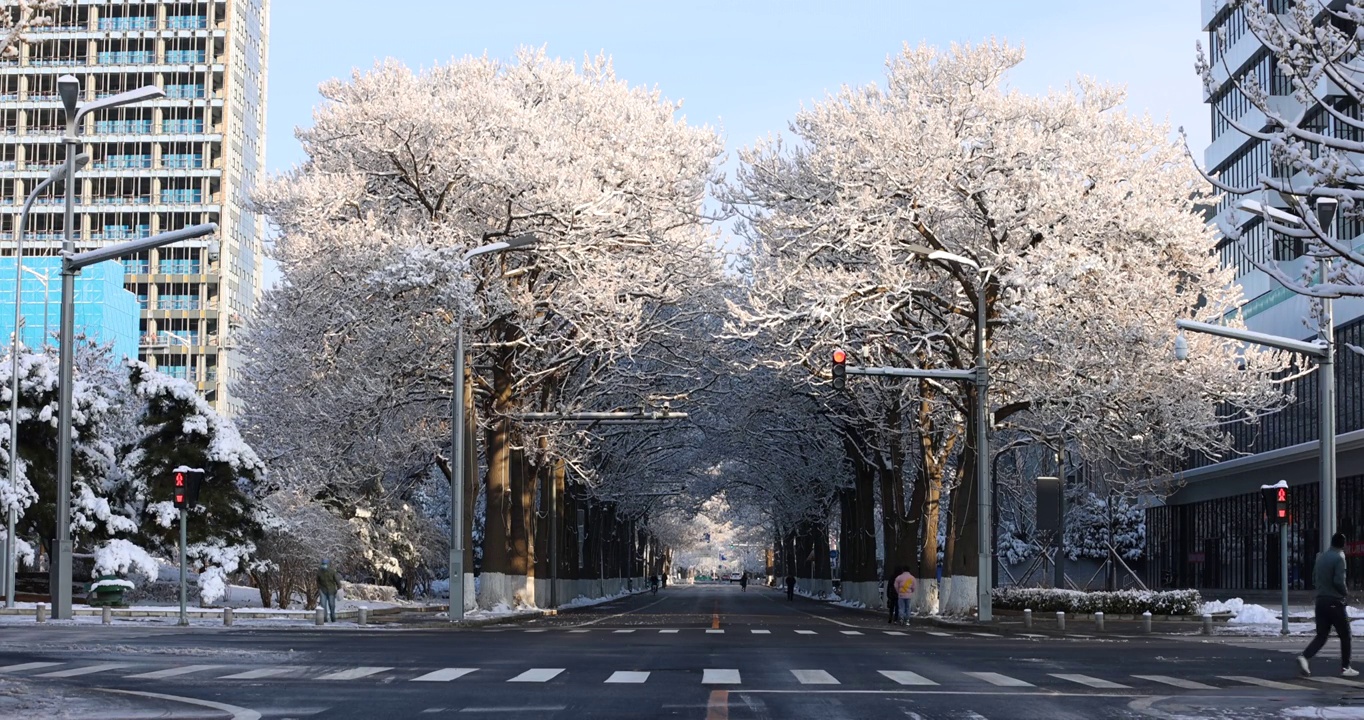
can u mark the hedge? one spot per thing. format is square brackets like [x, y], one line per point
[1122, 602]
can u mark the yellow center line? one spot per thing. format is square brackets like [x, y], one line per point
[718, 707]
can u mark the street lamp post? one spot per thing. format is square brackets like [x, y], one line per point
[1323, 350]
[57, 174]
[457, 450]
[68, 88]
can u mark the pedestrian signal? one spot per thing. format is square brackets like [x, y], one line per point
[1276, 503]
[840, 369]
[186, 483]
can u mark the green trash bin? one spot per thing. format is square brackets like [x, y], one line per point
[109, 594]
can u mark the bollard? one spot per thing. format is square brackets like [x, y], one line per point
[227, 617]
[1146, 622]
[1027, 618]
[1061, 620]
[364, 616]
[320, 616]
[106, 615]
[1207, 624]
[42, 613]
[1099, 621]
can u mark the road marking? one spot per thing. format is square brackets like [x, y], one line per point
[87, 670]
[627, 612]
[172, 672]
[814, 677]
[939, 634]
[712, 676]
[985, 634]
[1091, 681]
[355, 673]
[535, 630]
[715, 632]
[717, 706]
[237, 713]
[579, 631]
[761, 632]
[806, 632]
[1261, 682]
[1000, 680]
[444, 675]
[257, 674]
[667, 632]
[627, 676]
[905, 677]
[1177, 682]
[27, 666]
[537, 675]
[850, 632]
[1031, 635]
[1335, 681]
[1075, 635]
[519, 709]
[618, 632]
[892, 632]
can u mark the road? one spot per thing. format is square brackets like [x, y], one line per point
[708, 652]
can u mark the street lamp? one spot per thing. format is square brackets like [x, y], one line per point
[984, 498]
[68, 88]
[55, 176]
[457, 441]
[186, 341]
[1323, 350]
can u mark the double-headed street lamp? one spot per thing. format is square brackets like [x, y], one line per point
[457, 450]
[57, 175]
[1322, 349]
[68, 89]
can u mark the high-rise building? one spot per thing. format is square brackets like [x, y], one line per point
[191, 157]
[1212, 533]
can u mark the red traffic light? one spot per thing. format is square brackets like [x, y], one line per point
[840, 356]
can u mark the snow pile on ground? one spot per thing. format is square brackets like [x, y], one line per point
[584, 601]
[1243, 613]
[1325, 713]
[1216, 607]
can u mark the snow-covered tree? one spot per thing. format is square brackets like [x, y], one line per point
[1083, 222]
[1315, 142]
[19, 17]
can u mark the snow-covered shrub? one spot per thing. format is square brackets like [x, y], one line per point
[117, 557]
[1087, 527]
[1013, 548]
[1122, 602]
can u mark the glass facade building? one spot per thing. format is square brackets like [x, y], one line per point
[191, 157]
[105, 311]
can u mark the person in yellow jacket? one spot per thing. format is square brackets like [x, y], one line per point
[904, 590]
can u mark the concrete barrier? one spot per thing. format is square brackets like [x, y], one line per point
[227, 617]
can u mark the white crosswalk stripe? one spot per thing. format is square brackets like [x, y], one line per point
[713, 676]
[715, 632]
[537, 675]
[175, 671]
[905, 677]
[761, 632]
[939, 634]
[21, 667]
[806, 632]
[668, 632]
[1090, 681]
[850, 632]
[537, 630]
[990, 635]
[814, 677]
[1000, 680]
[1336, 681]
[354, 673]
[1176, 682]
[618, 632]
[893, 632]
[627, 676]
[87, 670]
[444, 675]
[1262, 682]
[258, 673]
[579, 631]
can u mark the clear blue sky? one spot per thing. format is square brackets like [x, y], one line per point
[743, 66]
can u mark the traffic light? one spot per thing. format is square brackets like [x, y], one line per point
[1276, 503]
[187, 483]
[179, 480]
[840, 369]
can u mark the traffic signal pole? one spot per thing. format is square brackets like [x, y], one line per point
[184, 616]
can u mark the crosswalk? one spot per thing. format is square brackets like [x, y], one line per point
[1020, 679]
[776, 632]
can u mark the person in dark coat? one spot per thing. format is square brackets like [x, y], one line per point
[1332, 597]
[790, 587]
[328, 584]
[892, 599]
[743, 582]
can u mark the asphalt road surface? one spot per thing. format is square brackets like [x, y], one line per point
[706, 652]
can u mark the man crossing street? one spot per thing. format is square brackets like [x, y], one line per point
[1329, 578]
[328, 584]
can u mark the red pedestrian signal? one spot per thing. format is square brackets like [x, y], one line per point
[179, 489]
[1275, 499]
[840, 370]
[186, 483]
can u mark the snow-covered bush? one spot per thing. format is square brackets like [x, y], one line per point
[1013, 548]
[117, 557]
[1122, 602]
[1087, 527]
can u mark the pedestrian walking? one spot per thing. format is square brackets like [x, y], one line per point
[892, 599]
[328, 584]
[904, 592]
[1329, 577]
[653, 584]
[743, 582]
[790, 587]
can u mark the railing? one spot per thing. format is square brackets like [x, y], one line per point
[129, 200]
[180, 267]
[184, 56]
[185, 196]
[128, 23]
[58, 28]
[190, 125]
[137, 267]
[125, 162]
[177, 302]
[183, 162]
[186, 22]
[54, 62]
[126, 57]
[126, 232]
[184, 92]
[123, 127]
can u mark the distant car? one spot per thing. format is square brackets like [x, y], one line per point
[735, 577]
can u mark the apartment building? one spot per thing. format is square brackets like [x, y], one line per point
[1211, 533]
[191, 157]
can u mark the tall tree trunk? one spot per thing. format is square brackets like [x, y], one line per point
[520, 494]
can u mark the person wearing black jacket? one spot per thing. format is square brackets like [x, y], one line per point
[1329, 578]
[790, 587]
[892, 599]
